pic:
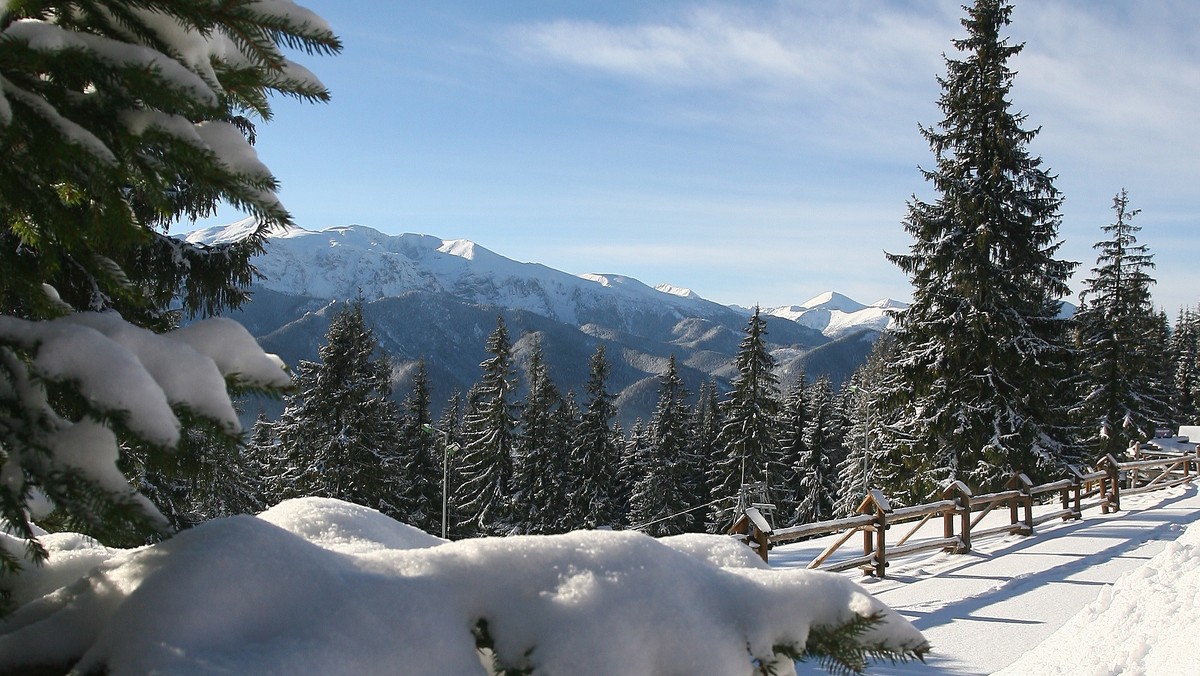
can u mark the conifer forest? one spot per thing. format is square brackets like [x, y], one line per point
[122, 386]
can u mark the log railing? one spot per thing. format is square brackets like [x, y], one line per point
[962, 512]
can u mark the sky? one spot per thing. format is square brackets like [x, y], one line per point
[756, 153]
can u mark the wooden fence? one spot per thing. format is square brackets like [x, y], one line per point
[961, 512]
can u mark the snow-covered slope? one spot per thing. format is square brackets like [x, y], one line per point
[343, 261]
[835, 315]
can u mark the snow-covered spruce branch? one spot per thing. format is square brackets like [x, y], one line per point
[74, 390]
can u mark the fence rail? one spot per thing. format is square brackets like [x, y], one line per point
[961, 511]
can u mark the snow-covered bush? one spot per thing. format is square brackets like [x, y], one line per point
[320, 586]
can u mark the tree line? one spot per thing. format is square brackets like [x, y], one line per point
[549, 462]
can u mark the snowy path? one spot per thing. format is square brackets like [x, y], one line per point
[983, 610]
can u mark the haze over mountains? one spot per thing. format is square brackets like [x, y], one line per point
[439, 299]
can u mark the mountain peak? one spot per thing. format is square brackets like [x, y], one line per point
[832, 300]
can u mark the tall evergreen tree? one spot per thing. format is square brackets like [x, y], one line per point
[863, 466]
[540, 482]
[708, 423]
[1184, 360]
[489, 431]
[748, 441]
[634, 462]
[664, 489]
[816, 468]
[793, 424]
[340, 431]
[982, 350]
[421, 500]
[596, 454]
[1124, 396]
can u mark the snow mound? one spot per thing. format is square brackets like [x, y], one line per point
[1142, 624]
[346, 527]
[321, 587]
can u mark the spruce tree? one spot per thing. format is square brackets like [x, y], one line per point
[748, 441]
[864, 465]
[420, 501]
[489, 430]
[815, 470]
[118, 119]
[633, 466]
[540, 483]
[1124, 397]
[209, 475]
[264, 457]
[340, 432]
[664, 489]
[596, 454]
[121, 118]
[1184, 358]
[981, 351]
[793, 423]
[708, 423]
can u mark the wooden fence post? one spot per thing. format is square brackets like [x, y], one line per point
[958, 492]
[1022, 483]
[1112, 482]
[1076, 487]
[876, 504]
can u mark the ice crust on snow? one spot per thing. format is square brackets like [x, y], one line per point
[320, 586]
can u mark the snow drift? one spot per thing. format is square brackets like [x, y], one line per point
[323, 586]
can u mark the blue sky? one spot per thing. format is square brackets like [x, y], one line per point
[755, 152]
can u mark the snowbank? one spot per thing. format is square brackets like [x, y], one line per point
[1143, 624]
[322, 586]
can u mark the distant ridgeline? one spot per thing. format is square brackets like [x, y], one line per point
[437, 300]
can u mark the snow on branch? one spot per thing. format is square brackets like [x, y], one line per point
[125, 378]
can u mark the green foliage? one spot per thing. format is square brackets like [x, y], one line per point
[596, 453]
[339, 435]
[1124, 386]
[118, 118]
[110, 134]
[840, 649]
[484, 495]
[665, 486]
[748, 442]
[982, 354]
[541, 475]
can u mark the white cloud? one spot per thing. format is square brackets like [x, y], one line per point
[795, 50]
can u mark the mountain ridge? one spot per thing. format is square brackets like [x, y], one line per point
[437, 300]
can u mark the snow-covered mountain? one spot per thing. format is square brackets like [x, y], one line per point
[343, 261]
[437, 300]
[835, 315]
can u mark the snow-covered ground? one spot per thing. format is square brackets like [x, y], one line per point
[319, 586]
[322, 586]
[1109, 594]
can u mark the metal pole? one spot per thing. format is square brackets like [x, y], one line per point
[445, 478]
[445, 472]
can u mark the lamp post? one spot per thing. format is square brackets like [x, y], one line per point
[866, 408]
[447, 449]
